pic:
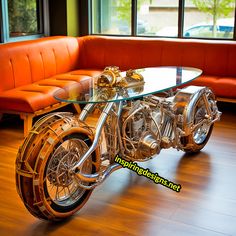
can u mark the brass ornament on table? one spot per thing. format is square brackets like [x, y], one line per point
[111, 78]
[132, 76]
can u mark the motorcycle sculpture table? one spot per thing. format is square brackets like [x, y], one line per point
[63, 159]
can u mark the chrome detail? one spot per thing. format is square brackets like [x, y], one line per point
[96, 179]
[62, 187]
[148, 145]
[86, 111]
[138, 130]
[101, 121]
[199, 111]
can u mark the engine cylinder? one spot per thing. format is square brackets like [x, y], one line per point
[148, 145]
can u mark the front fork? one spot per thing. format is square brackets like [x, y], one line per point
[98, 177]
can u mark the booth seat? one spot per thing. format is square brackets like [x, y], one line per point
[216, 58]
[31, 71]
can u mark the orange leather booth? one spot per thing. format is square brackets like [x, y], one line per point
[31, 71]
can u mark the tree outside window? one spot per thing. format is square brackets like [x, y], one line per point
[23, 17]
[209, 18]
[215, 8]
[202, 18]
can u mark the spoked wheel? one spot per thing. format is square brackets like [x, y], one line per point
[200, 136]
[60, 185]
[45, 182]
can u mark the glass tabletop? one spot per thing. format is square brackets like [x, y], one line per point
[106, 88]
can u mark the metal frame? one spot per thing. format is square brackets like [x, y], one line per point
[181, 18]
[134, 17]
[85, 20]
[169, 131]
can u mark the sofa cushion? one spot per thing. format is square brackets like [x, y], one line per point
[221, 86]
[226, 87]
[27, 62]
[30, 98]
[36, 96]
[205, 80]
[86, 72]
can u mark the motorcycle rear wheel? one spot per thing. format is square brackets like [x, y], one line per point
[200, 136]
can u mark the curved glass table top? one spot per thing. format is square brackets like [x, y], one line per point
[155, 80]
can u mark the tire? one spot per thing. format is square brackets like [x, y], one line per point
[43, 182]
[199, 138]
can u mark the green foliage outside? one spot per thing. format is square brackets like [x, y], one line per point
[22, 16]
[123, 8]
[216, 8]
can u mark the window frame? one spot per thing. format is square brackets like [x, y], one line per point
[181, 11]
[44, 23]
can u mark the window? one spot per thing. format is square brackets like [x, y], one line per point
[111, 17]
[209, 19]
[168, 18]
[23, 19]
[150, 13]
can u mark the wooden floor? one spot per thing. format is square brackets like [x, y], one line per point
[127, 204]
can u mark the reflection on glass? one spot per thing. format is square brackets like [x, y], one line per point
[111, 17]
[158, 17]
[23, 17]
[178, 75]
[209, 19]
[155, 80]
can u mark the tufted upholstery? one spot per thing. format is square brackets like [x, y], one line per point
[213, 57]
[27, 62]
[32, 71]
[217, 59]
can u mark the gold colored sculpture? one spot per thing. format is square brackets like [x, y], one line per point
[132, 74]
[111, 77]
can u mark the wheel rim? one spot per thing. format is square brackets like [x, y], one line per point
[200, 134]
[62, 187]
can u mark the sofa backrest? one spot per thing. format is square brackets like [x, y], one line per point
[26, 62]
[214, 57]
[29, 61]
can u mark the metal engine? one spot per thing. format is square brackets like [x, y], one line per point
[140, 131]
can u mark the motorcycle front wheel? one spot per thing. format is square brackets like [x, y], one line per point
[43, 178]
